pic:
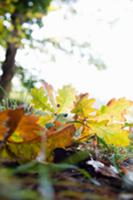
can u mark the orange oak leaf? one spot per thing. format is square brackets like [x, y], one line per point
[22, 134]
[28, 129]
[14, 117]
[3, 124]
[16, 126]
[25, 129]
[10, 119]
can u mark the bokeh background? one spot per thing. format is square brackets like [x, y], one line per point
[86, 43]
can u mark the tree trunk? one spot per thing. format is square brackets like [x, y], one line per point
[8, 66]
[8, 69]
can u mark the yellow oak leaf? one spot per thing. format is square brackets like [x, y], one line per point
[84, 135]
[112, 134]
[1, 25]
[40, 99]
[83, 108]
[20, 152]
[65, 98]
[44, 119]
[114, 111]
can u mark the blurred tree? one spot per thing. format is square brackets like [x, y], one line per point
[26, 78]
[17, 21]
[17, 18]
[82, 50]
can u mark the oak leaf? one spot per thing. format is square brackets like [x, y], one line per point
[3, 124]
[59, 139]
[14, 117]
[28, 129]
[20, 152]
[40, 99]
[65, 98]
[20, 135]
[84, 135]
[114, 111]
[16, 126]
[113, 134]
[10, 119]
[83, 108]
[44, 119]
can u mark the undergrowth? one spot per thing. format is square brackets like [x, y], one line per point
[58, 131]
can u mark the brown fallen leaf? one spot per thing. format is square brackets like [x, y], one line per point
[59, 139]
[109, 171]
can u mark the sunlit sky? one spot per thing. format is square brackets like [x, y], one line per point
[108, 26]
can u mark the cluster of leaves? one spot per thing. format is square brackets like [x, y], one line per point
[17, 18]
[59, 120]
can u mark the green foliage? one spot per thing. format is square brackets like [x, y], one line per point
[43, 98]
[40, 99]
[17, 18]
[27, 80]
